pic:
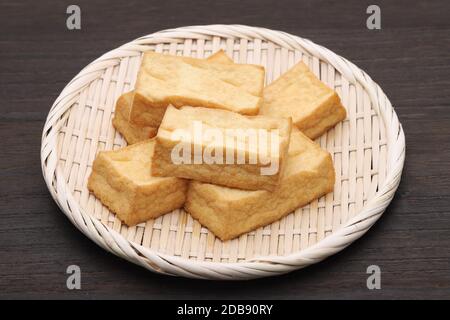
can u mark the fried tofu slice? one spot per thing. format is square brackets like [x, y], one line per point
[134, 133]
[222, 147]
[298, 93]
[131, 132]
[220, 56]
[229, 212]
[123, 182]
[179, 81]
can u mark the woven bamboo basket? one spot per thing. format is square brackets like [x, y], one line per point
[368, 151]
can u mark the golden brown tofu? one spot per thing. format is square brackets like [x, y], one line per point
[123, 182]
[134, 133]
[229, 212]
[299, 94]
[179, 81]
[131, 132]
[222, 147]
[220, 56]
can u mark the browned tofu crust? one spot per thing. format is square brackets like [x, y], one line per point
[230, 212]
[123, 182]
[247, 175]
[298, 93]
[165, 79]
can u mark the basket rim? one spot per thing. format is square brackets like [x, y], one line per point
[256, 267]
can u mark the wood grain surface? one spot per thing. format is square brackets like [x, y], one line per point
[409, 57]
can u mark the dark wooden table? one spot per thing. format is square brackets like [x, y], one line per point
[409, 57]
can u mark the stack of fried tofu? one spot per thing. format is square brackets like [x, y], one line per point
[228, 181]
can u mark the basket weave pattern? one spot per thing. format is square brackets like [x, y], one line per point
[368, 151]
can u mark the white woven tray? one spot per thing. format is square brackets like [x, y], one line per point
[368, 150]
